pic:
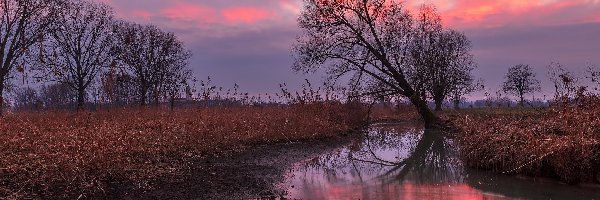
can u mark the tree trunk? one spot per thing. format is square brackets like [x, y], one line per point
[428, 117]
[1, 98]
[143, 91]
[157, 100]
[456, 104]
[80, 98]
[172, 102]
[522, 102]
[438, 104]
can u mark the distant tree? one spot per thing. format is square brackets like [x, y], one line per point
[176, 84]
[22, 24]
[520, 80]
[80, 42]
[118, 87]
[157, 59]
[57, 96]
[464, 87]
[27, 99]
[367, 39]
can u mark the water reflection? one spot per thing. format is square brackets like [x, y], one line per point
[403, 161]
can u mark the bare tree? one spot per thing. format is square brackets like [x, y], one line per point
[424, 45]
[57, 96]
[22, 24]
[80, 45]
[118, 87]
[155, 58]
[441, 62]
[367, 39]
[175, 84]
[520, 80]
[464, 87]
[565, 82]
[27, 99]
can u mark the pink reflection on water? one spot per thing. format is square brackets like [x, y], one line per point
[405, 190]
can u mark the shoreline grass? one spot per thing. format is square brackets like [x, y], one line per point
[561, 142]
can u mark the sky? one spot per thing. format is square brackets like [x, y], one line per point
[248, 42]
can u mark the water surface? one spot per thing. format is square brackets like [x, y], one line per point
[402, 161]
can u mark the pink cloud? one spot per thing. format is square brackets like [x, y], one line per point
[142, 14]
[472, 13]
[248, 15]
[291, 6]
[190, 12]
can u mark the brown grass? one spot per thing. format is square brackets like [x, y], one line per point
[393, 113]
[561, 142]
[67, 155]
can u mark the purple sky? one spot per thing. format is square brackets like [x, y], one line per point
[248, 41]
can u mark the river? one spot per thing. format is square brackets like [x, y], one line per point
[403, 161]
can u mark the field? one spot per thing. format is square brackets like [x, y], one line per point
[72, 155]
[562, 141]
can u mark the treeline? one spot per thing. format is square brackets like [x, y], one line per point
[521, 80]
[79, 51]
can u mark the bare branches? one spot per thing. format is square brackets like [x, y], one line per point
[157, 59]
[80, 42]
[441, 62]
[367, 38]
[22, 24]
[520, 80]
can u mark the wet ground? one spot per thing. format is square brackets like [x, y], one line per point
[402, 161]
[253, 173]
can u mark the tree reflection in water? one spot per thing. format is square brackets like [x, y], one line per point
[432, 160]
[389, 161]
[403, 161]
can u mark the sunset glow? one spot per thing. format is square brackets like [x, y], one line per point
[459, 13]
[223, 34]
[405, 190]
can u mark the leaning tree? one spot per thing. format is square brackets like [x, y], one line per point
[520, 80]
[365, 39]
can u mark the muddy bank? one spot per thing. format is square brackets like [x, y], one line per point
[252, 173]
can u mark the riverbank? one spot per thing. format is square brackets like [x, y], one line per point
[561, 142]
[132, 152]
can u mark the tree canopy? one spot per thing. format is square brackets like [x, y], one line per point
[520, 80]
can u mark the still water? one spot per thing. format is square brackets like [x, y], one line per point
[402, 161]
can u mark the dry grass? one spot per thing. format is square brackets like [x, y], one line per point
[393, 113]
[66, 155]
[561, 142]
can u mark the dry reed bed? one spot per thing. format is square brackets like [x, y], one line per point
[393, 113]
[67, 155]
[561, 142]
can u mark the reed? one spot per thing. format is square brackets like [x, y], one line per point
[69, 155]
[562, 141]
